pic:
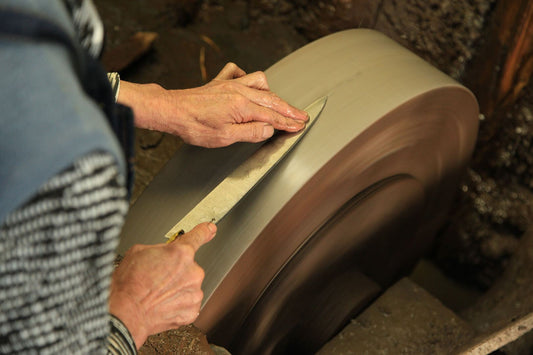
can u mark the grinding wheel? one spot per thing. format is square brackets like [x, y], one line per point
[347, 212]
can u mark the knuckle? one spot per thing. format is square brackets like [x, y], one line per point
[262, 78]
[257, 132]
[281, 123]
[197, 297]
[134, 249]
[198, 274]
[230, 90]
[226, 139]
[185, 319]
[261, 75]
[276, 120]
[201, 230]
[239, 109]
[191, 317]
[275, 99]
[240, 100]
[185, 252]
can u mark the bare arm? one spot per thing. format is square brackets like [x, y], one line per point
[233, 107]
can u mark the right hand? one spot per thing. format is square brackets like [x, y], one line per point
[158, 287]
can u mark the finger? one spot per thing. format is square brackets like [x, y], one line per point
[257, 113]
[255, 80]
[230, 71]
[251, 132]
[199, 235]
[272, 101]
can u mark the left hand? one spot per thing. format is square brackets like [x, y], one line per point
[233, 107]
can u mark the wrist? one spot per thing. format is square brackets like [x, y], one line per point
[131, 315]
[114, 81]
[148, 102]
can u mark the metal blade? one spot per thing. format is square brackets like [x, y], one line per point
[234, 187]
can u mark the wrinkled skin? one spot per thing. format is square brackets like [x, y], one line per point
[158, 287]
[233, 107]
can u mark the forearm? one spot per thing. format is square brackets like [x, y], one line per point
[233, 107]
[123, 307]
[147, 102]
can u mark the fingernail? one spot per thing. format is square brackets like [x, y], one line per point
[268, 131]
[212, 227]
[298, 125]
[299, 115]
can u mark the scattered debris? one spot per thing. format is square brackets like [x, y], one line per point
[185, 340]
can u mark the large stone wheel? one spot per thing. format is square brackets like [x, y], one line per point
[344, 215]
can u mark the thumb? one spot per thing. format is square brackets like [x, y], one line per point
[252, 132]
[199, 235]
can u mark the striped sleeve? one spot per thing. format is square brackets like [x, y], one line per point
[119, 341]
[56, 260]
[114, 81]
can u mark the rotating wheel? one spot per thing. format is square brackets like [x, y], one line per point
[343, 216]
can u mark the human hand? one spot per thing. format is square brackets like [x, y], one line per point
[158, 287]
[233, 107]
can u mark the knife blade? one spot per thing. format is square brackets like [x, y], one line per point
[242, 180]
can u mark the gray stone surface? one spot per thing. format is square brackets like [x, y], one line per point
[406, 319]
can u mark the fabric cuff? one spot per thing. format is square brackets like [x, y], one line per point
[120, 341]
[114, 80]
